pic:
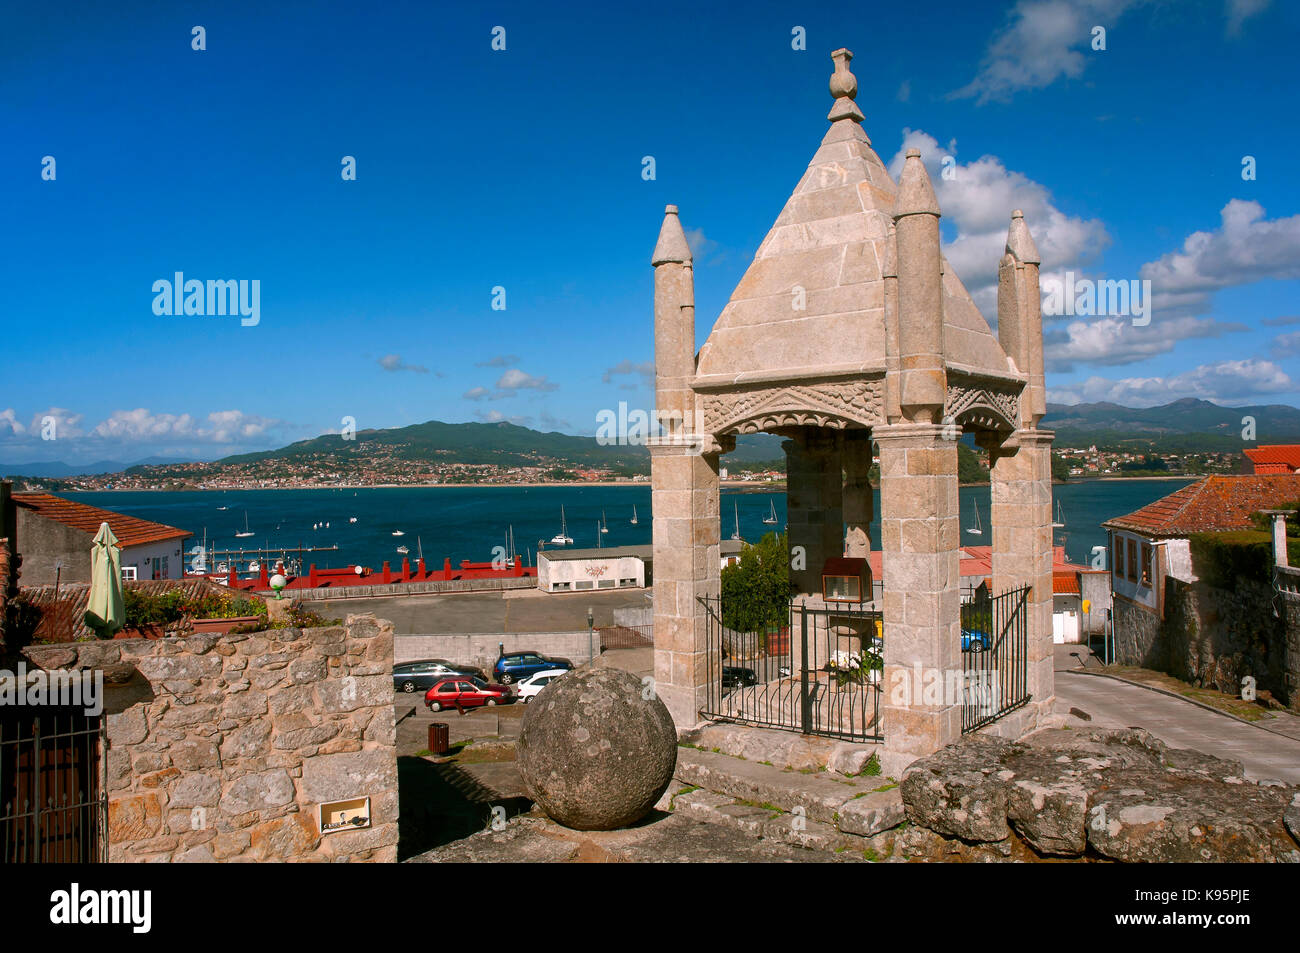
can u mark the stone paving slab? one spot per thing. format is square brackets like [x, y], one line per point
[819, 795]
[662, 838]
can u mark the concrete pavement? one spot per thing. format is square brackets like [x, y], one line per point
[1178, 723]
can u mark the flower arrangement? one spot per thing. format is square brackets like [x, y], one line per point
[855, 667]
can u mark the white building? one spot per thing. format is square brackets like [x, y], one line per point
[615, 567]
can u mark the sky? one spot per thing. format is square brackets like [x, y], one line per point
[517, 178]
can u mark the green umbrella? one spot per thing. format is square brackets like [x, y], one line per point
[105, 611]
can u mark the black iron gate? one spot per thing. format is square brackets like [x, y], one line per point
[818, 672]
[994, 643]
[53, 802]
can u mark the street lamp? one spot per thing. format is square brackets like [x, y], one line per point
[591, 621]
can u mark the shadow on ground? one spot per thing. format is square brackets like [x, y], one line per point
[441, 802]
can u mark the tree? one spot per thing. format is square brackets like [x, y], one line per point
[1060, 468]
[756, 590]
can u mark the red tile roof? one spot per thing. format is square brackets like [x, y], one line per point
[1275, 458]
[129, 530]
[1214, 504]
[1065, 583]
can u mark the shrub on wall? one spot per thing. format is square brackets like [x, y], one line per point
[1221, 559]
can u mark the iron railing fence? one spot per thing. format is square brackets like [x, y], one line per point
[817, 671]
[994, 655]
[53, 799]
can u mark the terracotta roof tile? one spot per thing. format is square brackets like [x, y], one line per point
[1214, 504]
[129, 530]
[1275, 455]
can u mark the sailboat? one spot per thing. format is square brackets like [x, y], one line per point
[736, 534]
[562, 538]
[633, 514]
[403, 550]
[604, 527]
[247, 531]
[398, 532]
[977, 529]
[1059, 523]
[599, 545]
[771, 517]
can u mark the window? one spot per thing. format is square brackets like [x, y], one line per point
[583, 584]
[1146, 564]
[1119, 558]
[605, 584]
[1132, 560]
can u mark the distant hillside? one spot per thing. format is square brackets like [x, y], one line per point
[57, 468]
[1187, 424]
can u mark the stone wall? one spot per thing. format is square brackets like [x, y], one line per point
[482, 649]
[221, 748]
[1137, 635]
[1214, 637]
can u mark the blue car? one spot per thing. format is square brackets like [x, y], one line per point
[972, 640]
[515, 666]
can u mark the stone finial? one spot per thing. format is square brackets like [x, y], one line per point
[915, 193]
[672, 245]
[844, 87]
[1019, 242]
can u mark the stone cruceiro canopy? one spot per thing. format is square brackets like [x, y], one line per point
[851, 336]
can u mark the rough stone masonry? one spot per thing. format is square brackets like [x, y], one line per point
[222, 748]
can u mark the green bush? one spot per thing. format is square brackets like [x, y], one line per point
[1221, 559]
[756, 590]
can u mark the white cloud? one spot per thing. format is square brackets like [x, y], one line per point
[978, 198]
[227, 426]
[1043, 41]
[393, 362]
[67, 423]
[1114, 341]
[700, 245]
[1223, 382]
[1287, 345]
[1238, 11]
[9, 423]
[1246, 247]
[477, 393]
[222, 426]
[645, 369]
[495, 416]
[515, 379]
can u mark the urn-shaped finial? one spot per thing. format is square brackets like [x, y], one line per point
[844, 87]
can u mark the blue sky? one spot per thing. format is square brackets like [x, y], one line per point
[522, 169]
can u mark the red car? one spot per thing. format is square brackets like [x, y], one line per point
[465, 693]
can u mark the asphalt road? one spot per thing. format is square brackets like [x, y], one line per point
[1179, 724]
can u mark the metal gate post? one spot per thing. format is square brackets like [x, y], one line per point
[805, 703]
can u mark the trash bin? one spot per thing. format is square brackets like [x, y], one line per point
[439, 737]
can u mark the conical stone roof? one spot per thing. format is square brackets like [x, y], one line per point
[812, 303]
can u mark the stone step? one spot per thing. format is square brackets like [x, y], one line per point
[765, 823]
[783, 749]
[849, 805]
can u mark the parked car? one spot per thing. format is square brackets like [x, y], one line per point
[533, 684]
[513, 666]
[734, 677]
[410, 676]
[465, 692]
[973, 640]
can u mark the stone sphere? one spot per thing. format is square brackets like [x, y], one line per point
[596, 753]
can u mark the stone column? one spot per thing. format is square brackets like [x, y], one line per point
[814, 506]
[919, 527]
[687, 565]
[1021, 517]
[858, 496]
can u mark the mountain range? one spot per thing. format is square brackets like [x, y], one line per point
[1183, 425]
